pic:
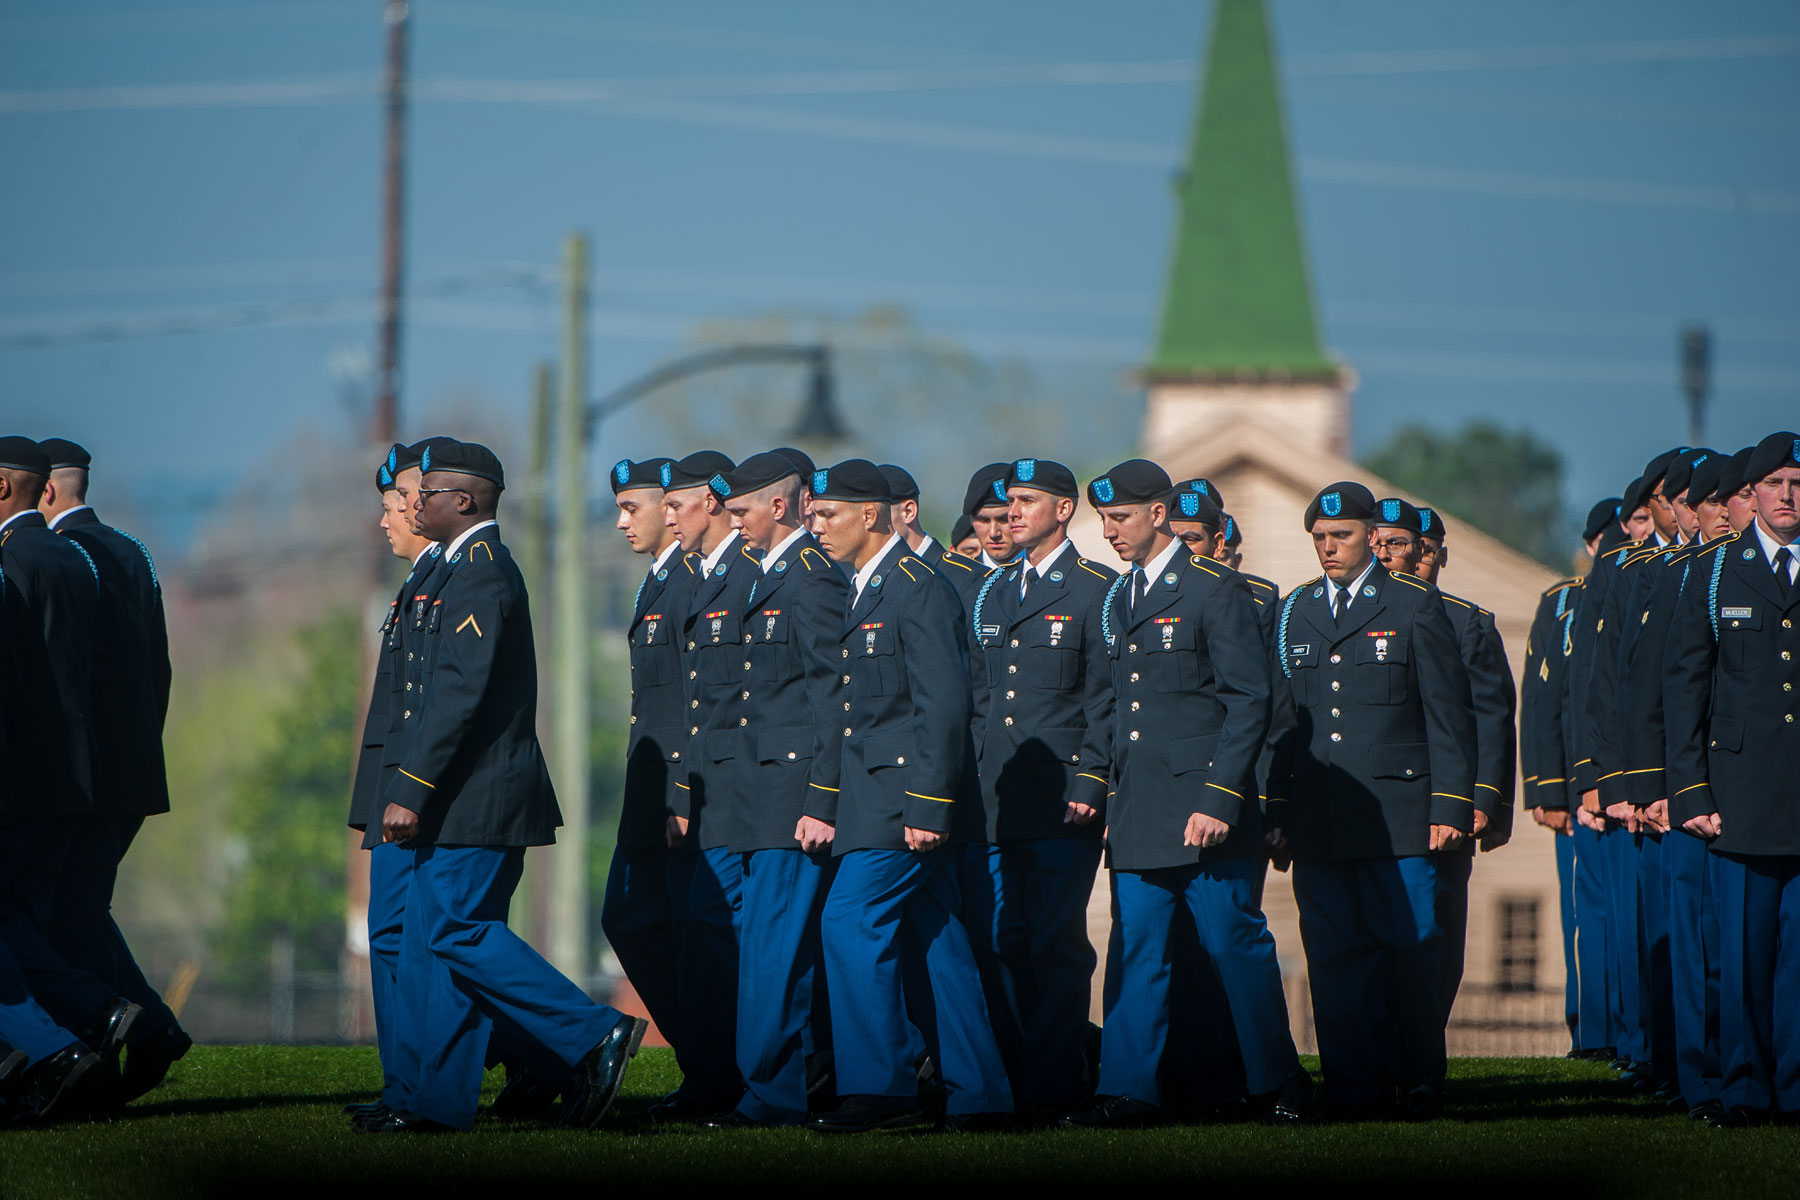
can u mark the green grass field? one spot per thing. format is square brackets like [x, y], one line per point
[232, 1119]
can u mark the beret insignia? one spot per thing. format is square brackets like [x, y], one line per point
[1190, 504]
[1025, 468]
[667, 474]
[622, 471]
[425, 461]
[1331, 504]
[999, 489]
[1103, 490]
[1390, 510]
[717, 483]
[821, 479]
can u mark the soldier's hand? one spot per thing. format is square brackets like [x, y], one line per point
[1554, 819]
[1494, 838]
[1590, 800]
[1657, 816]
[923, 840]
[1446, 837]
[675, 831]
[1708, 827]
[1204, 831]
[1625, 814]
[1481, 822]
[813, 834]
[398, 824]
[1079, 814]
[1590, 820]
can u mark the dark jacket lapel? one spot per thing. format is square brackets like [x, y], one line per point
[1364, 609]
[1045, 593]
[872, 594]
[1161, 593]
[1758, 571]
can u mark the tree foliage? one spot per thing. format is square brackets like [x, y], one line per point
[1507, 483]
[286, 814]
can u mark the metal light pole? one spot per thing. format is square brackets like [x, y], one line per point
[568, 896]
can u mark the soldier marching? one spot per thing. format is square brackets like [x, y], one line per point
[872, 778]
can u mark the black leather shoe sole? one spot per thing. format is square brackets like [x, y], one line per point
[600, 1075]
[393, 1122]
[912, 1118]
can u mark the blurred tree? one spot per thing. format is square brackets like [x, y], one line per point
[286, 817]
[1507, 483]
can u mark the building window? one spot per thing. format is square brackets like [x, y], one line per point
[1518, 944]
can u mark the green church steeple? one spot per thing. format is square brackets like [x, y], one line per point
[1239, 301]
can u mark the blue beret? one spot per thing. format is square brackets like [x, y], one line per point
[1600, 517]
[1347, 501]
[463, 458]
[23, 454]
[696, 470]
[1044, 475]
[1774, 452]
[1395, 513]
[64, 453]
[643, 473]
[901, 484]
[856, 480]
[752, 475]
[987, 489]
[1134, 481]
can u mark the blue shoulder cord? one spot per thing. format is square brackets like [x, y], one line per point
[1281, 641]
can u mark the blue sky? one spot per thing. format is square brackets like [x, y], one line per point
[1509, 208]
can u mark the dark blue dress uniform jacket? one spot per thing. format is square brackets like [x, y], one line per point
[471, 767]
[131, 659]
[791, 700]
[52, 611]
[1731, 697]
[1267, 598]
[713, 645]
[1383, 728]
[1543, 751]
[1605, 713]
[1191, 698]
[1494, 702]
[1640, 674]
[383, 715]
[1043, 730]
[659, 711]
[907, 751]
[1589, 624]
[964, 574]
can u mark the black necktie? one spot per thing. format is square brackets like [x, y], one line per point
[1781, 568]
[1025, 586]
[1339, 603]
[1139, 588]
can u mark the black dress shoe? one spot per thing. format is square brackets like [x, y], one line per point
[1737, 1118]
[865, 1114]
[393, 1122]
[523, 1097]
[363, 1110]
[1292, 1104]
[1706, 1110]
[733, 1120]
[1422, 1103]
[68, 1083]
[595, 1085]
[1115, 1112]
[367, 1113]
[677, 1109]
[149, 1057]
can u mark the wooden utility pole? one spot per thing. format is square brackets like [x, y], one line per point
[358, 1013]
[569, 894]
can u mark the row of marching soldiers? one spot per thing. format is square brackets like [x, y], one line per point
[871, 779]
[84, 688]
[1659, 740]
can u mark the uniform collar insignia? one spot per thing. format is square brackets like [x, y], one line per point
[782, 565]
[1368, 589]
[1056, 577]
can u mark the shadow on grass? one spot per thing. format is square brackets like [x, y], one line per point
[229, 1104]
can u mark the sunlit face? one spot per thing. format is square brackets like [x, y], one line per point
[993, 527]
[1343, 547]
[1397, 549]
[1685, 519]
[689, 512]
[1131, 529]
[844, 529]
[1433, 556]
[406, 485]
[969, 547]
[1032, 515]
[1662, 513]
[642, 521]
[758, 517]
[1638, 525]
[1740, 508]
[395, 521]
[1778, 502]
[1196, 538]
[1714, 519]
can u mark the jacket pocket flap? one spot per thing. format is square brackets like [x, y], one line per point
[1726, 734]
[670, 742]
[886, 750]
[784, 745]
[1192, 754]
[722, 744]
[1411, 761]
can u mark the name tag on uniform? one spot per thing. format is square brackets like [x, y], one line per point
[1300, 651]
[1729, 613]
[988, 631]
